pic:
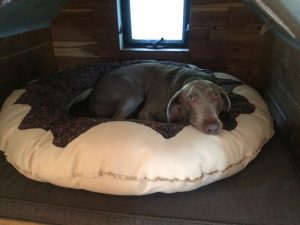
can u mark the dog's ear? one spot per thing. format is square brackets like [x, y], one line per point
[173, 108]
[226, 104]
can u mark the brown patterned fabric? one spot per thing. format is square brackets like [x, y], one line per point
[50, 98]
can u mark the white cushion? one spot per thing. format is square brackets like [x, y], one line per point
[127, 158]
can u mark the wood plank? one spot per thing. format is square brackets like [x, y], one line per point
[79, 4]
[17, 70]
[215, 7]
[291, 61]
[11, 45]
[231, 35]
[127, 55]
[287, 77]
[282, 85]
[284, 67]
[198, 34]
[290, 135]
[248, 71]
[227, 50]
[79, 26]
[288, 106]
[214, 2]
[83, 24]
[275, 44]
[4, 221]
[76, 49]
[208, 19]
[241, 17]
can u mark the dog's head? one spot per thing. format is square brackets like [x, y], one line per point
[199, 103]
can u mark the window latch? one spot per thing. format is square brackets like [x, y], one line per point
[187, 29]
[156, 44]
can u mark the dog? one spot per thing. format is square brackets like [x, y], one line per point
[163, 93]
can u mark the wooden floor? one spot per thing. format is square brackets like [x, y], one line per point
[17, 222]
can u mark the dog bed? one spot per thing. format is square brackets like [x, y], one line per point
[45, 143]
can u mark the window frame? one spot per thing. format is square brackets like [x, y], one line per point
[126, 41]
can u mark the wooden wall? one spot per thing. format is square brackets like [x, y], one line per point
[282, 87]
[224, 37]
[23, 58]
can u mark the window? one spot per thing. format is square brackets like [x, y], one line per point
[154, 24]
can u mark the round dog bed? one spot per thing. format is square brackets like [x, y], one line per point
[45, 143]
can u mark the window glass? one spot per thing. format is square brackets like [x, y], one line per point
[156, 19]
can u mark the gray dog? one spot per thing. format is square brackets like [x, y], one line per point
[162, 93]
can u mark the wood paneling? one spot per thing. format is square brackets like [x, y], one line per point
[282, 88]
[241, 17]
[23, 58]
[242, 35]
[18, 43]
[17, 222]
[224, 36]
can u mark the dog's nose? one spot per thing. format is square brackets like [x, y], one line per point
[212, 128]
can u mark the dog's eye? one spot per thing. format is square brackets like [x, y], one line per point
[191, 98]
[215, 96]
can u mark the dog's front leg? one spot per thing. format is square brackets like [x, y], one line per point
[126, 107]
